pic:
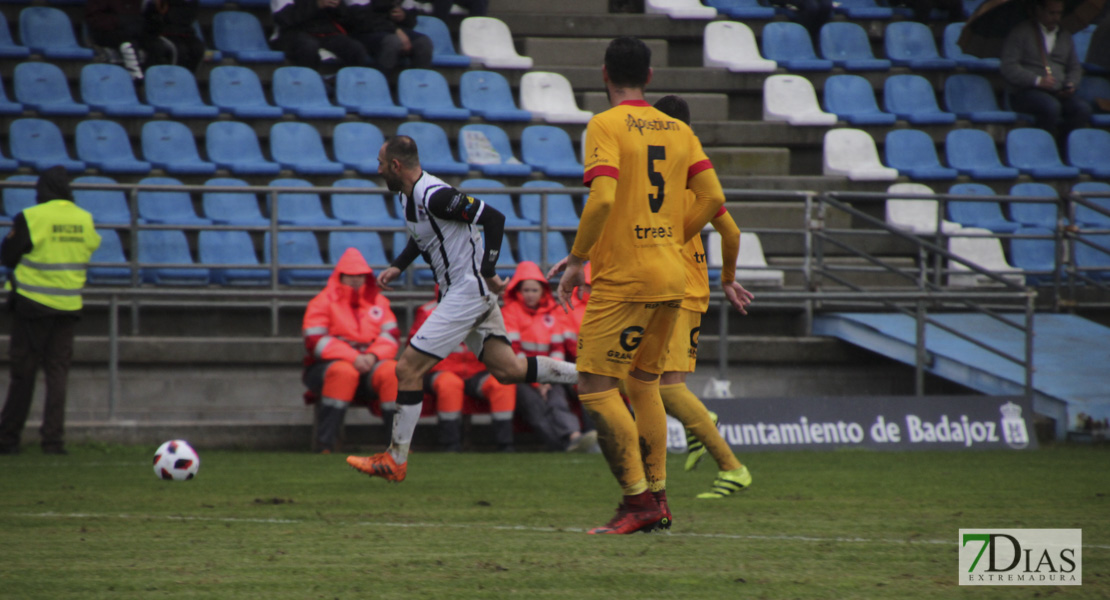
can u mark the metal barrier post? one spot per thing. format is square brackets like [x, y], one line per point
[113, 356]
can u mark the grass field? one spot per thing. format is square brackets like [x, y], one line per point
[98, 524]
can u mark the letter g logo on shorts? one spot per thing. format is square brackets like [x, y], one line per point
[631, 338]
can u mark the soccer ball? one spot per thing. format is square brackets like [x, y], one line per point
[176, 460]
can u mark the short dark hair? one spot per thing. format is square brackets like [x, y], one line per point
[402, 148]
[675, 107]
[628, 62]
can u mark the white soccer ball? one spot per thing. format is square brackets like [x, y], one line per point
[176, 460]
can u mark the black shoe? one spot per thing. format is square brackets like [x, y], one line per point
[54, 450]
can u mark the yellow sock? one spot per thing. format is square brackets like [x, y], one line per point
[651, 424]
[683, 405]
[616, 434]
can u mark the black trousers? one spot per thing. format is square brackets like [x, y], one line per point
[45, 341]
[303, 49]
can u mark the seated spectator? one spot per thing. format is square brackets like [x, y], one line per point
[443, 9]
[537, 326]
[303, 27]
[120, 25]
[385, 28]
[811, 14]
[172, 21]
[350, 336]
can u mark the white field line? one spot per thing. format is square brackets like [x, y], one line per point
[788, 538]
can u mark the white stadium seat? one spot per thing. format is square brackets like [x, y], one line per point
[549, 96]
[731, 44]
[489, 41]
[984, 250]
[852, 153]
[680, 9]
[791, 98]
[915, 215]
[751, 264]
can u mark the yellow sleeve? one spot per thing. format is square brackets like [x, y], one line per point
[709, 198]
[603, 192]
[730, 244]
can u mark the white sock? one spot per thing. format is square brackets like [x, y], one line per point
[549, 370]
[404, 424]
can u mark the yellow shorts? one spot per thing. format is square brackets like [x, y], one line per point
[682, 348]
[617, 337]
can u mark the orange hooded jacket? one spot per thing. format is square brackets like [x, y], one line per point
[540, 331]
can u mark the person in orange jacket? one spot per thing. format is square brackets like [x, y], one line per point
[537, 326]
[462, 374]
[350, 337]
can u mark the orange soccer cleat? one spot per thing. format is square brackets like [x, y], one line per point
[380, 465]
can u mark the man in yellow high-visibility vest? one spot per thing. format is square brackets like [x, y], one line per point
[47, 250]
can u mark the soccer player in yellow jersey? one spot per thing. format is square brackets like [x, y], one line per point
[639, 164]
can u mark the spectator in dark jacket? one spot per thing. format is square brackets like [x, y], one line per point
[304, 27]
[385, 28]
[172, 21]
[121, 25]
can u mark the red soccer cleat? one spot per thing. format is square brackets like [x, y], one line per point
[661, 500]
[637, 513]
[380, 465]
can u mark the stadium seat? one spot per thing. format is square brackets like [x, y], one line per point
[952, 51]
[529, 247]
[299, 208]
[116, 270]
[38, 143]
[365, 91]
[791, 98]
[300, 91]
[232, 208]
[731, 44]
[1089, 149]
[1082, 42]
[356, 145]
[984, 214]
[234, 146]
[980, 247]
[231, 248]
[425, 92]
[549, 150]
[487, 94]
[7, 107]
[421, 271]
[973, 152]
[166, 207]
[168, 246]
[751, 264]
[910, 44]
[435, 151]
[108, 207]
[297, 253]
[49, 32]
[972, 97]
[488, 41]
[15, 199]
[788, 44]
[549, 96]
[680, 9]
[1033, 151]
[851, 99]
[560, 207]
[911, 97]
[443, 48]
[364, 209]
[239, 35]
[1035, 255]
[847, 45]
[1092, 256]
[42, 87]
[368, 243]
[106, 146]
[1035, 214]
[1091, 88]
[297, 146]
[237, 91]
[502, 202]
[8, 47]
[913, 153]
[487, 149]
[109, 89]
[852, 153]
[506, 259]
[917, 215]
[173, 90]
[742, 9]
[170, 146]
[863, 10]
[1088, 217]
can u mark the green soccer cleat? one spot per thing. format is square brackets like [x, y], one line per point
[728, 482]
[695, 449]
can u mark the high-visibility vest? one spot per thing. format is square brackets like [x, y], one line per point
[63, 238]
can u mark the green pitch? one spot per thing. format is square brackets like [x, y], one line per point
[98, 524]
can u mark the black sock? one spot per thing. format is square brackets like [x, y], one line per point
[532, 368]
[407, 397]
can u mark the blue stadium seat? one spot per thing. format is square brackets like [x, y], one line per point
[237, 91]
[487, 149]
[365, 91]
[48, 31]
[15, 199]
[1089, 149]
[8, 164]
[425, 92]
[863, 9]
[368, 243]
[1036, 255]
[972, 97]
[8, 47]
[106, 146]
[108, 89]
[1092, 87]
[1033, 151]
[168, 246]
[300, 91]
[300, 208]
[297, 146]
[298, 253]
[974, 153]
[742, 9]
[953, 51]
[1034, 214]
[116, 270]
[911, 97]
[550, 150]
[435, 150]
[231, 248]
[789, 45]
[847, 45]
[1082, 42]
[978, 213]
[913, 153]
[167, 208]
[239, 35]
[487, 94]
[1088, 217]
[560, 207]
[1093, 258]
[528, 243]
[421, 271]
[443, 48]
[910, 44]
[108, 207]
[502, 202]
[170, 146]
[234, 146]
[38, 143]
[173, 90]
[43, 87]
[364, 209]
[7, 107]
[210, 55]
[356, 145]
[851, 99]
[232, 208]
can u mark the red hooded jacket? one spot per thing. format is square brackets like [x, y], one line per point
[540, 331]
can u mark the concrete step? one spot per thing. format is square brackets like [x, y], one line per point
[749, 160]
[554, 51]
[711, 107]
[504, 9]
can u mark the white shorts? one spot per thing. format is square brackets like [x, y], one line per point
[459, 319]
